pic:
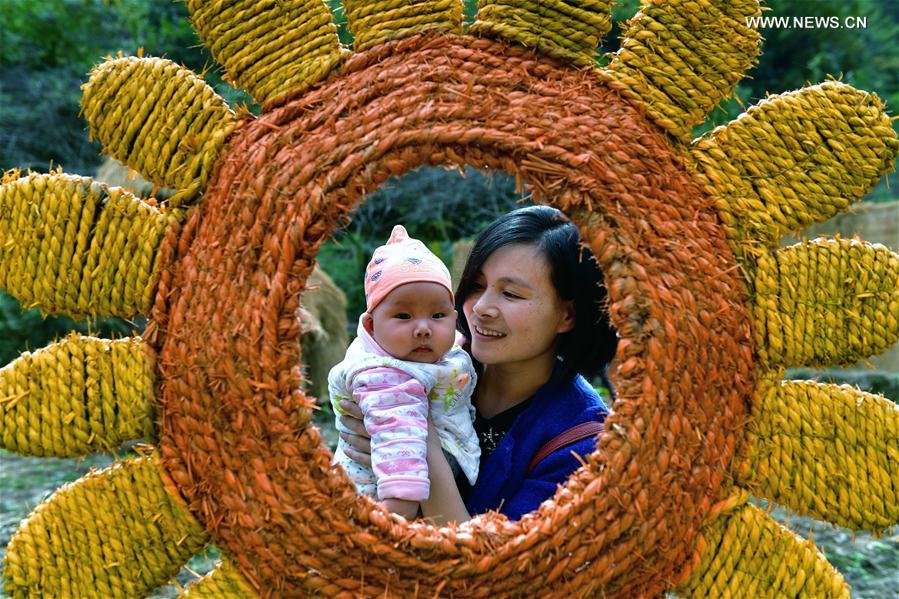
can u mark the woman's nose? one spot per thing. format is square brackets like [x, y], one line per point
[484, 307]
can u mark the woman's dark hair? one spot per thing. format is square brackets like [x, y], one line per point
[590, 345]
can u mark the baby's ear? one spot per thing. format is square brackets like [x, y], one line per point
[368, 323]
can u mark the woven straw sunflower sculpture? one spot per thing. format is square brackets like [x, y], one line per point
[710, 311]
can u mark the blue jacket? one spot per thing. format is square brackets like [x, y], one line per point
[503, 483]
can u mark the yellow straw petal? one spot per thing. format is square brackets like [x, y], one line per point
[113, 533]
[376, 22]
[272, 49]
[680, 58]
[566, 29]
[160, 119]
[796, 159]
[825, 302]
[76, 397]
[827, 451]
[224, 581]
[744, 553]
[70, 245]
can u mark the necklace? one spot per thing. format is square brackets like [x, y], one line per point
[492, 430]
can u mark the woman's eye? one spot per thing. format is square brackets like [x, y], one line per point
[511, 295]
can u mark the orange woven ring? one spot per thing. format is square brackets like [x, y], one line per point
[242, 449]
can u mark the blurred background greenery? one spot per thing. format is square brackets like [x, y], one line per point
[47, 47]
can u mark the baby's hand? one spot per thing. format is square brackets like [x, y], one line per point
[405, 508]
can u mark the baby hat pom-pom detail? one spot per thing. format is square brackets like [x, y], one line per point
[398, 235]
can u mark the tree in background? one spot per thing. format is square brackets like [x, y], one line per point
[46, 50]
[864, 58]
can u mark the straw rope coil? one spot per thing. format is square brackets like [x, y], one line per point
[223, 581]
[746, 554]
[160, 119]
[290, 522]
[796, 159]
[70, 245]
[826, 302]
[383, 20]
[75, 397]
[827, 451]
[566, 29]
[274, 50]
[113, 533]
[680, 58]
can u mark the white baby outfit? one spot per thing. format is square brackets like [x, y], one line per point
[395, 397]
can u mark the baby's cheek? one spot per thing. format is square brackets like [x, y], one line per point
[448, 335]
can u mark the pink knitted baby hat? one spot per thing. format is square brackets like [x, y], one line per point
[402, 260]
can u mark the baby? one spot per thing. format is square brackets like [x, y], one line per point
[404, 363]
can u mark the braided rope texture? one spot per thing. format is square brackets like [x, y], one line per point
[73, 246]
[828, 451]
[76, 397]
[796, 159]
[681, 57]
[565, 29]
[291, 523]
[736, 557]
[271, 49]
[383, 20]
[223, 581]
[160, 119]
[113, 533]
[824, 302]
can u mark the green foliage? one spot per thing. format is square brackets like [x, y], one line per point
[339, 18]
[864, 58]
[48, 47]
[872, 567]
[27, 330]
[794, 57]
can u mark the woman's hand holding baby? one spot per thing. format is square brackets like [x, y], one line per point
[444, 505]
[359, 441]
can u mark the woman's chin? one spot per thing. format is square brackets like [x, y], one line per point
[484, 349]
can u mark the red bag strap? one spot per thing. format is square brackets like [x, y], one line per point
[576, 433]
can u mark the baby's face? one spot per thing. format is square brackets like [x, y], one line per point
[415, 322]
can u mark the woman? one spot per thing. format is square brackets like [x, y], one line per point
[531, 302]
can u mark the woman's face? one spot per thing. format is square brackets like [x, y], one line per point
[514, 312]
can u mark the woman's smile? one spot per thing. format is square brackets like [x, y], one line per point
[488, 332]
